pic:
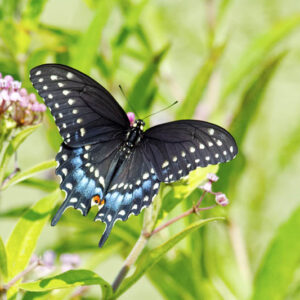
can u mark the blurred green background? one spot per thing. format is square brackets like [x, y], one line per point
[234, 63]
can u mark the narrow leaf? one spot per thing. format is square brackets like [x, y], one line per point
[38, 296]
[289, 147]
[280, 261]
[3, 260]
[10, 8]
[140, 95]
[15, 212]
[69, 279]
[199, 84]
[251, 99]
[249, 105]
[23, 239]
[13, 146]
[42, 184]
[29, 173]
[257, 51]
[85, 52]
[152, 257]
[34, 9]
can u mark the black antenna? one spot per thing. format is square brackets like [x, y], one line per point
[175, 102]
[120, 87]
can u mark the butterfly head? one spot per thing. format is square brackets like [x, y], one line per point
[139, 124]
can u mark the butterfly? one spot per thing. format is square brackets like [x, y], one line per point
[105, 161]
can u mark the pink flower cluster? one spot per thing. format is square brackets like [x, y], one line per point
[48, 265]
[17, 104]
[220, 198]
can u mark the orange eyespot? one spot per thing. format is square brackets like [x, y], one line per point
[98, 200]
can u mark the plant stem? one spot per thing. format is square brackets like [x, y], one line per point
[192, 210]
[238, 245]
[18, 277]
[130, 260]
[149, 222]
[150, 217]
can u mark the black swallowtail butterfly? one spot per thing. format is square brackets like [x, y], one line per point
[105, 161]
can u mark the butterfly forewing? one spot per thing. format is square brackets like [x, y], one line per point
[176, 148]
[84, 111]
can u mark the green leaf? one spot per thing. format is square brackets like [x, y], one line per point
[10, 8]
[280, 261]
[37, 296]
[13, 146]
[223, 6]
[150, 258]
[257, 52]
[29, 173]
[23, 239]
[42, 184]
[289, 147]
[140, 96]
[15, 212]
[249, 105]
[85, 52]
[251, 99]
[3, 260]
[69, 279]
[33, 9]
[199, 84]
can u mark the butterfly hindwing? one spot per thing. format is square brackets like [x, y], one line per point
[84, 111]
[133, 188]
[83, 173]
[176, 148]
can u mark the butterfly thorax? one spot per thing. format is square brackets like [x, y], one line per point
[134, 136]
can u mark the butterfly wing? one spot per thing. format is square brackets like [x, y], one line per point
[133, 188]
[93, 126]
[83, 110]
[176, 148]
[83, 172]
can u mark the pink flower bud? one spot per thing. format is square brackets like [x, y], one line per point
[14, 96]
[24, 102]
[38, 107]
[207, 187]
[49, 258]
[3, 84]
[23, 92]
[9, 79]
[221, 199]
[16, 84]
[131, 117]
[42, 107]
[69, 261]
[4, 95]
[212, 177]
[32, 97]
